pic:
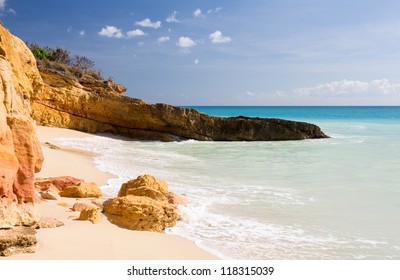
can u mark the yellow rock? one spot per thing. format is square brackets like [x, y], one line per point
[82, 190]
[145, 185]
[141, 213]
[90, 214]
[80, 206]
[20, 151]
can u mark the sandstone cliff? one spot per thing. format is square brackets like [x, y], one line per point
[91, 107]
[20, 152]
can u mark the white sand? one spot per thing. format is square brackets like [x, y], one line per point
[67, 161]
[78, 240]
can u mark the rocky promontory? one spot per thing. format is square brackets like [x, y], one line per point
[70, 103]
[97, 107]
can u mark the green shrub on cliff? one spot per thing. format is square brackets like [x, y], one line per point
[40, 53]
[61, 61]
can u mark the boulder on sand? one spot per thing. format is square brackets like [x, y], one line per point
[82, 190]
[141, 213]
[145, 185]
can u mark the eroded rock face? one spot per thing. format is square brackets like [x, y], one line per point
[17, 240]
[8, 160]
[14, 214]
[68, 103]
[20, 151]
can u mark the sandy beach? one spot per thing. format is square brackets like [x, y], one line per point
[82, 240]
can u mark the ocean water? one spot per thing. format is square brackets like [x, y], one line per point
[336, 198]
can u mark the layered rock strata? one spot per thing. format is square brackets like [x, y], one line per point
[18, 240]
[70, 103]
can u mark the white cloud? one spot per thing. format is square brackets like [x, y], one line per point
[163, 39]
[12, 12]
[2, 4]
[82, 32]
[186, 42]
[197, 13]
[218, 38]
[111, 32]
[148, 23]
[196, 61]
[135, 33]
[351, 87]
[172, 17]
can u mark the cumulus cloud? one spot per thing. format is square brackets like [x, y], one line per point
[163, 39]
[135, 33]
[186, 42]
[196, 61]
[2, 4]
[351, 87]
[111, 32]
[148, 23]
[82, 32]
[197, 13]
[172, 17]
[218, 38]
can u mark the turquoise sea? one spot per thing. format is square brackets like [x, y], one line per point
[336, 198]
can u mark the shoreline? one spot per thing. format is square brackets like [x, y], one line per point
[102, 241]
[75, 162]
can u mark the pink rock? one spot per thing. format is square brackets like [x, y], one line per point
[60, 183]
[30, 158]
[8, 161]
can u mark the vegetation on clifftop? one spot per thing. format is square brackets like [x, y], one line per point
[61, 61]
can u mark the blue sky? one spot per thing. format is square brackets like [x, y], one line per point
[228, 52]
